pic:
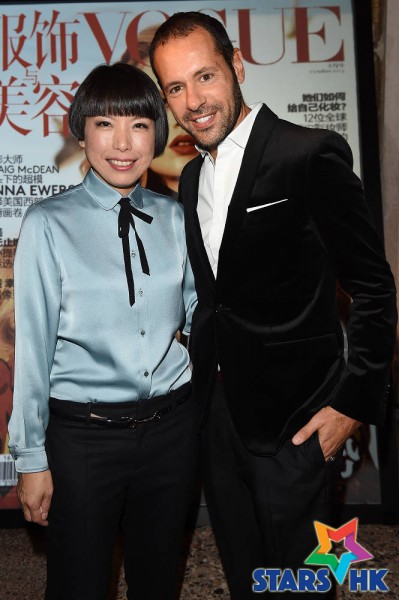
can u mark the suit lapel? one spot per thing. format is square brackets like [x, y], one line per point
[254, 151]
[195, 241]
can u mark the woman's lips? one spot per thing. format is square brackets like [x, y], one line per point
[121, 165]
[183, 144]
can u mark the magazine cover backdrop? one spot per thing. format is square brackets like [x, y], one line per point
[299, 59]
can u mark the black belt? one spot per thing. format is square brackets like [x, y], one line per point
[123, 422]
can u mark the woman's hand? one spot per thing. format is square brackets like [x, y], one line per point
[34, 491]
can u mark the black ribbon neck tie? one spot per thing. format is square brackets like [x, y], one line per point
[125, 219]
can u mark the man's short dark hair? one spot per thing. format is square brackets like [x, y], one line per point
[119, 90]
[181, 24]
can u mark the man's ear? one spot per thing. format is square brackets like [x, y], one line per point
[82, 143]
[238, 65]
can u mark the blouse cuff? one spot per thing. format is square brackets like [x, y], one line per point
[30, 460]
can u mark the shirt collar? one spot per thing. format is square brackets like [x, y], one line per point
[241, 133]
[106, 196]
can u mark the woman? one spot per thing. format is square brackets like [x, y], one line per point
[102, 411]
[164, 172]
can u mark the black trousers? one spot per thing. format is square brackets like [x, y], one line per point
[137, 480]
[262, 508]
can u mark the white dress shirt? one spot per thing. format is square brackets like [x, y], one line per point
[216, 185]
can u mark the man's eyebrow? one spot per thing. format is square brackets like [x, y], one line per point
[172, 83]
[196, 74]
[205, 69]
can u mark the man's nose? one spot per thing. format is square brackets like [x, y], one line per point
[195, 98]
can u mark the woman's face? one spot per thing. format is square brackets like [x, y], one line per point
[179, 150]
[119, 149]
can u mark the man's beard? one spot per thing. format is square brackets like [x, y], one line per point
[227, 124]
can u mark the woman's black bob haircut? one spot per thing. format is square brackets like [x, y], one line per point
[119, 90]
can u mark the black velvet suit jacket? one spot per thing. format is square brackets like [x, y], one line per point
[270, 319]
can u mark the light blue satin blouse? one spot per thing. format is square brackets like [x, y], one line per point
[77, 337]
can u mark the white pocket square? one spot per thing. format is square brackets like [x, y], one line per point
[251, 208]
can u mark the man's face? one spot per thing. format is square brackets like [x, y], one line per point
[200, 88]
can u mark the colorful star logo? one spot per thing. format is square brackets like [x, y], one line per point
[347, 534]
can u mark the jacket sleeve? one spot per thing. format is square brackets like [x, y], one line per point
[37, 309]
[342, 221]
[189, 293]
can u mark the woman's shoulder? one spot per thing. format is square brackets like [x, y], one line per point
[161, 201]
[42, 210]
[69, 192]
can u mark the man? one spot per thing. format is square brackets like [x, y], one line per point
[274, 218]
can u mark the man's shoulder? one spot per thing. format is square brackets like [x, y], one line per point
[295, 139]
[308, 134]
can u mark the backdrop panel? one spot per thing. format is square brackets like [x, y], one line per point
[299, 57]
